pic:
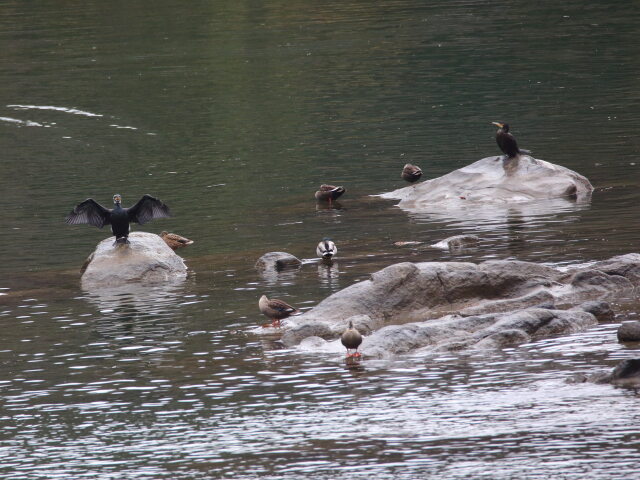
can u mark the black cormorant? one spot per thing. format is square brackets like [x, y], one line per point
[93, 213]
[506, 141]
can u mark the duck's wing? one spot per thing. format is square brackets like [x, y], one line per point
[281, 306]
[90, 212]
[147, 209]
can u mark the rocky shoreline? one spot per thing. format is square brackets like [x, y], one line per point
[435, 306]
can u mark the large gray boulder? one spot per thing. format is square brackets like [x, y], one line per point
[146, 259]
[453, 305]
[494, 181]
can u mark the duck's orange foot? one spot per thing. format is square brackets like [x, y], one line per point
[356, 355]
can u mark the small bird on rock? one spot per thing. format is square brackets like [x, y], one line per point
[326, 249]
[411, 173]
[175, 241]
[276, 310]
[351, 339]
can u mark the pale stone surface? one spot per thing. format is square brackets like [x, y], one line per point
[415, 307]
[494, 181]
[146, 259]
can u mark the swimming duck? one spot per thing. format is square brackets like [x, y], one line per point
[328, 193]
[174, 241]
[326, 249]
[351, 339]
[93, 213]
[276, 310]
[411, 173]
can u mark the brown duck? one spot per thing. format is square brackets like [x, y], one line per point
[276, 310]
[329, 193]
[351, 339]
[411, 173]
[174, 240]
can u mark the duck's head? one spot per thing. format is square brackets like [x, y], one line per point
[117, 199]
[503, 126]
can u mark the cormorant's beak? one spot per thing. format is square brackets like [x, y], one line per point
[498, 124]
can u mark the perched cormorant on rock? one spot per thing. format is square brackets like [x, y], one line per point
[175, 241]
[328, 193]
[276, 310]
[506, 141]
[411, 173]
[93, 213]
[351, 339]
[326, 249]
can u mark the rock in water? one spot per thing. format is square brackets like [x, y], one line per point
[629, 331]
[277, 261]
[147, 259]
[495, 181]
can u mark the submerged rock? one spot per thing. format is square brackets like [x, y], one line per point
[494, 180]
[453, 305]
[629, 331]
[458, 242]
[277, 261]
[146, 259]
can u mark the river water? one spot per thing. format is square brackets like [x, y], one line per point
[233, 114]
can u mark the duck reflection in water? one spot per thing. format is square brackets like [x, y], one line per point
[328, 273]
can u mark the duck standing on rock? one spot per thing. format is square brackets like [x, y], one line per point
[506, 141]
[329, 193]
[276, 310]
[175, 241]
[411, 173]
[326, 249]
[93, 213]
[351, 339]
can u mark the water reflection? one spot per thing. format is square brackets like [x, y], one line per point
[328, 272]
[486, 218]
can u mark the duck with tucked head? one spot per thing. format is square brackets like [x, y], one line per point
[276, 310]
[351, 339]
[329, 193]
[326, 249]
[411, 173]
[175, 241]
[91, 212]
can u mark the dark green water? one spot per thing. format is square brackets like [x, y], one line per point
[233, 114]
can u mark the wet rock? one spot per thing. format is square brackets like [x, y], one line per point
[458, 242]
[599, 309]
[277, 261]
[297, 334]
[493, 180]
[625, 374]
[146, 259]
[454, 305]
[629, 331]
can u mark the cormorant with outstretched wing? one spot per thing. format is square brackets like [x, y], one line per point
[93, 213]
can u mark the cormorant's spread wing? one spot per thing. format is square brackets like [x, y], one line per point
[90, 212]
[147, 209]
